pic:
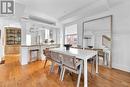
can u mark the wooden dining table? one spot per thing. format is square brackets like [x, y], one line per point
[81, 54]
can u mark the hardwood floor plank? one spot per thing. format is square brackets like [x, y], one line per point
[12, 74]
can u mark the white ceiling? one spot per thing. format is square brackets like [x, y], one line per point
[58, 9]
[54, 8]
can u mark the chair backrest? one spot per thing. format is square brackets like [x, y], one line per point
[47, 53]
[69, 61]
[55, 57]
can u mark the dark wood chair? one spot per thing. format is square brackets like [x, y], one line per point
[47, 54]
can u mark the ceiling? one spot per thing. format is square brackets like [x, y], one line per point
[54, 8]
[58, 9]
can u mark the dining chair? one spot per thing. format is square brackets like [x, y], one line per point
[72, 64]
[56, 60]
[47, 54]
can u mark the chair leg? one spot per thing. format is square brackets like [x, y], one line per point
[107, 58]
[45, 63]
[63, 73]
[52, 66]
[92, 67]
[79, 76]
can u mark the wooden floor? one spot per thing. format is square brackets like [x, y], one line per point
[12, 74]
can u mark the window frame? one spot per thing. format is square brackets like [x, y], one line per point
[73, 34]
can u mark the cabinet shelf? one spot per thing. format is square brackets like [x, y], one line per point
[13, 36]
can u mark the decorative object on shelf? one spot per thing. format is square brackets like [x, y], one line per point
[52, 41]
[67, 46]
[46, 41]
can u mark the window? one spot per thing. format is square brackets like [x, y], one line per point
[28, 39]
[47, 34]
[71, 35]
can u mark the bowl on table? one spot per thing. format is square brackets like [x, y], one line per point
[90, 47]
[67, 46]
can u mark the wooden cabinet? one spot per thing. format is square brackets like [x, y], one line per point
[12, 49]
[12, 40]
[13, 36]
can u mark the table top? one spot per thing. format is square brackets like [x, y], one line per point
[78, 53]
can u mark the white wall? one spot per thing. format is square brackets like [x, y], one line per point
[23, 32]
[120, 34]
[121, 37]
[8, 22]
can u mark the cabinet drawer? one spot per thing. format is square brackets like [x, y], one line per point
[12, 49]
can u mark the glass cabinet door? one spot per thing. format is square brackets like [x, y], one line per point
[13, 36]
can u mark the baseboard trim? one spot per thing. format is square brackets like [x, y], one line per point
[121, 67]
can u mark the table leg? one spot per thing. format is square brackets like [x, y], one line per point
[97, 59]
[30, 59]
[85, 73]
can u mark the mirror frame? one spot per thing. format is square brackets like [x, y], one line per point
[111, 28]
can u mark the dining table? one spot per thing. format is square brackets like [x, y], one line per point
[82, 54]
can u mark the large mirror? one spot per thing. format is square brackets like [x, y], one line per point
[97, 36]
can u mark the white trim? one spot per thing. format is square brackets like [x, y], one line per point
[121, 67]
